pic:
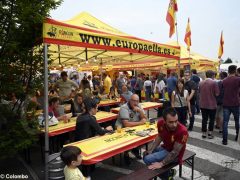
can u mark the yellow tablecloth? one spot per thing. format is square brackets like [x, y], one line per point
[98, 148]
[62, 127]
[145, 106]
[109, 102]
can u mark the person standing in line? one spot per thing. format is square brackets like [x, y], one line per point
[219, 98]
[138, 87]
[65, 86]
[159, 86]
[107, 83]
[148, 89]
[191, 87]
[180, 101]
[231, 88]
[133, 81]
[208, 90]
[96, 82]
[66, 92]
[197, 80]
[89, 78]
[171, 84]
[238, 72]
[75, 78]
[120, 82]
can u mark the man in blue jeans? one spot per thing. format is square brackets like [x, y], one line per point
[174, 136]
[231, 89]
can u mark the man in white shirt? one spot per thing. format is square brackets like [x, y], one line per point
[89, 78]
[65, 86]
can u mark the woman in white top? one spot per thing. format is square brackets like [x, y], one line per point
[160, 86]
[180, 101]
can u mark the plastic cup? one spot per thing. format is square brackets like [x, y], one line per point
[65, 119]
[119, 129]
[147, 124]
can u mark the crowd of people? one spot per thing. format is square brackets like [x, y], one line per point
[215, 98]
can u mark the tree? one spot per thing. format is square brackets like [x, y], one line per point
[21, 68]
[228, 60]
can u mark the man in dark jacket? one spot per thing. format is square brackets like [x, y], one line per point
[191, 87]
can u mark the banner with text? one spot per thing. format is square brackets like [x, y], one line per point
[55, 32]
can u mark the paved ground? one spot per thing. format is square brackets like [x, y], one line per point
[213, 160]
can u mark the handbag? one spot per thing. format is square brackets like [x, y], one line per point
[179, 100]
[52, 121]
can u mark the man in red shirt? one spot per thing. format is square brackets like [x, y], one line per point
[52, 109]
[174, 137]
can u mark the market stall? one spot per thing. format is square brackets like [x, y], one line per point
[86, 41]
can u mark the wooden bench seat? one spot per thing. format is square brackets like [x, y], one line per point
[146, 174]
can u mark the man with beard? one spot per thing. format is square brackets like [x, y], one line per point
[174, 136]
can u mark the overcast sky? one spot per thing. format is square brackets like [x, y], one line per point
[146, 19]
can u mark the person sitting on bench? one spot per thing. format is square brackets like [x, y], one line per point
[174, 136]
[131, 114]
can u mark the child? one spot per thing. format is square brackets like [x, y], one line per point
[71, 156]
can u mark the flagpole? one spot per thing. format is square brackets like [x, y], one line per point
[176, 29]
[220, 50]
[189, 58]
[219, 64]
[179, 70]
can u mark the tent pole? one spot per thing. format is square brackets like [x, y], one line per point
[46, 109]
[101, 72]
[86, 55]
[59, 58]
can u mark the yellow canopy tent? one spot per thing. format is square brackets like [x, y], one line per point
[87, 42]
[196, 60]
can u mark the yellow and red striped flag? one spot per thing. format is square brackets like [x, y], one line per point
[172, 9]
[187, 38]
[220, 50]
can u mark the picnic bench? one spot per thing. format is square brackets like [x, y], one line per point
[146, 174]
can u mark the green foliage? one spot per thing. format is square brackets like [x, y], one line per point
[16, 133]
[21, 66]
[20, 44]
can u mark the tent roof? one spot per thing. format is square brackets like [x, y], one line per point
[106, 45]
[86, 20]
[194, 58]
[185, 53]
